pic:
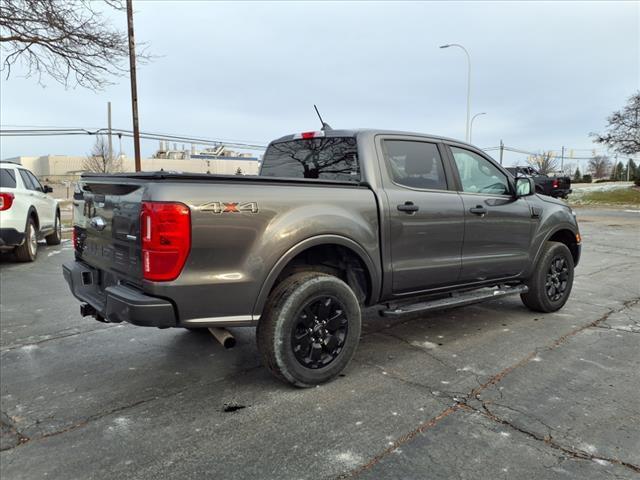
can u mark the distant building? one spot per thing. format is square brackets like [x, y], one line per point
[65, 167]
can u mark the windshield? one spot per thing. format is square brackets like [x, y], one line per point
[328, 158]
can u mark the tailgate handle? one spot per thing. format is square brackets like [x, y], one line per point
[98, 223]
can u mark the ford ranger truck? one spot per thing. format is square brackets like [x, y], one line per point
[336, 220]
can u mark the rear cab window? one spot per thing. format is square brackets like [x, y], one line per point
[7, 178]
[415, 164]
[325, 158]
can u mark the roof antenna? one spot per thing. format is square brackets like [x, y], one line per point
[325, 126]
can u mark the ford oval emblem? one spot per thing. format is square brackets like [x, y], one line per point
[98, 223]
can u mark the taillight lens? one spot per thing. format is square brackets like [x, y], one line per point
[166, 239]
[6, 200]
[555, 184]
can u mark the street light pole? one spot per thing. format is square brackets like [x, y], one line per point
[467, 135]
[471, 126]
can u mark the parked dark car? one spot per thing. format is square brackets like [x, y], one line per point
[336, 220]
[553, 186]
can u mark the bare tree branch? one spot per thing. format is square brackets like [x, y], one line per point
[623, 129]
[544, 162]
[67, 40]
[599, 166]
[99, 161]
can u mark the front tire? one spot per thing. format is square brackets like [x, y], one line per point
[551, 282]
[310, 329]
[56, 237]
[28, 251]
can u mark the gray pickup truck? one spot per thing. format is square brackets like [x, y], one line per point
[337, 220]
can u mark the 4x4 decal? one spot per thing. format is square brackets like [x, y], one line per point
[229, 207]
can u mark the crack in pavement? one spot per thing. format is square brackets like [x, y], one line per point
[548, 440]
[121, 408]
[17, 346]
[493, 380]
[7, 423]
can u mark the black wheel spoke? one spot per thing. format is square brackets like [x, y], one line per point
[332, 343]
[303, 343]
[334, 322]
[316, 352]
[307, 317]
[324, 308]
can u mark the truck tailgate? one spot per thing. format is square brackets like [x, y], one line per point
[107, 219]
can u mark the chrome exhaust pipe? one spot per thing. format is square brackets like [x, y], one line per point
[224, 336]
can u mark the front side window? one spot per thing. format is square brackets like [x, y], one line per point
[415, 164]
[7, 178]
[479, 175]
[328, 158]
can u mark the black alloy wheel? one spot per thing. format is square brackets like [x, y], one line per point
[320, 332]
[557, 278]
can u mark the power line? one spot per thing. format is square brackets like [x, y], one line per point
[127, 133]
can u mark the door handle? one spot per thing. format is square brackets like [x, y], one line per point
[408, 207]
[478, 210]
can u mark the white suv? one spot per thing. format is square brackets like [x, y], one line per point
[27, 213]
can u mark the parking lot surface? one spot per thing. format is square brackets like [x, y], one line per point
[486, 391]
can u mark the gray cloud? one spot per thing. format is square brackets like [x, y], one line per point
[546, 73]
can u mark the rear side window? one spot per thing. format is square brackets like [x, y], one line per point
[7, 178]
[415, 164]
[328, 158]
[28, 180]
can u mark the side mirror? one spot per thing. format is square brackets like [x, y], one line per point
[525, 186]
[47, 189]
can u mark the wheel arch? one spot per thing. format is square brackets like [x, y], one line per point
[568, 237]
[33, 213]
[319, 253]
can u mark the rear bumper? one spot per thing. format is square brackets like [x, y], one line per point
[562, 193]
[117, 303]
[10, 237]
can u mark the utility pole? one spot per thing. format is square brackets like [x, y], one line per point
[501, 151]
[109, 127]
[562, 160]
[134, 88]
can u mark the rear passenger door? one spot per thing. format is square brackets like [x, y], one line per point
[426, 218]
[498, 226]
[38, 199]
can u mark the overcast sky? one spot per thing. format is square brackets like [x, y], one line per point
[547, 73]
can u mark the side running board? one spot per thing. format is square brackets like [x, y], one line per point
[455, 300]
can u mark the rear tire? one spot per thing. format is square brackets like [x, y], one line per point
[310, 329]
[56, 237]
[551, 282]
[28, 251]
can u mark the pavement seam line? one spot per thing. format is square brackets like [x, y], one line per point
[476, 392]
[6, 420]
[548, 439]
[121, 408]
[18, 346]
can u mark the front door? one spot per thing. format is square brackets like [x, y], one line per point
[426, 217]
[498, 227]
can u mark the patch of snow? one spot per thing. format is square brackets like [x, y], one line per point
[349, 459]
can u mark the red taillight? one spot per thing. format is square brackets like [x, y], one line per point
[555, 184]
[166, 239]
[6, 200]
[74, 237]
